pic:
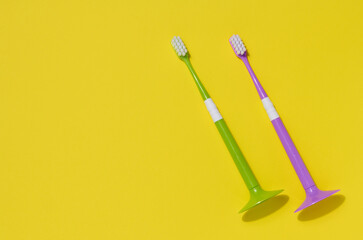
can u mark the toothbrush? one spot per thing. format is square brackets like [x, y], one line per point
[313, 194]
[257, 194]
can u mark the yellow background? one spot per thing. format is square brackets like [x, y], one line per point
[103, 134]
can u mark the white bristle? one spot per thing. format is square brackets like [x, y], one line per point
[179, 46]
[237, 45]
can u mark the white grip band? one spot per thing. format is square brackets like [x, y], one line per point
[213, 110]
[270, 109]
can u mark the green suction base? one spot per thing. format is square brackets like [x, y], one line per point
[257, 196]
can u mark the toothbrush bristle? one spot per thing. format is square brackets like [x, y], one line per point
[179, 46]
[237, 45]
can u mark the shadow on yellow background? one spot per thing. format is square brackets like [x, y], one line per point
[265, 209]
[321, 208]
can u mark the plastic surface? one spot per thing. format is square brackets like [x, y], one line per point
[200, 86]
[257, 195]
[213, 110]
[294, 156]
[260, 90]
[270, 109]
[313, 194]
[237, 155]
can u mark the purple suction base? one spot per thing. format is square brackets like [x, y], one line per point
[314, 195]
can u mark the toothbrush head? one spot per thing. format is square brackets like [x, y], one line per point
[237, 45]
[179, 47]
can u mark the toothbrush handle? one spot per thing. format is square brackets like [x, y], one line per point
[237, 155]
[294, 156]
[238, 158]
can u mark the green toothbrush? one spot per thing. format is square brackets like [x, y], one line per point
[257, 194]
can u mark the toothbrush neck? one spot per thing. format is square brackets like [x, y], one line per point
[199, 84]
[260, 90]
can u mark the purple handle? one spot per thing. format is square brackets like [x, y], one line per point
[295, 158]
[313, 194]
[260, 90]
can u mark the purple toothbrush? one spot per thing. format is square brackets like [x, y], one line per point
[313, 194]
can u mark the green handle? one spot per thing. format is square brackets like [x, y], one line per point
[237, 155]
[228, 139]
[200, 86]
